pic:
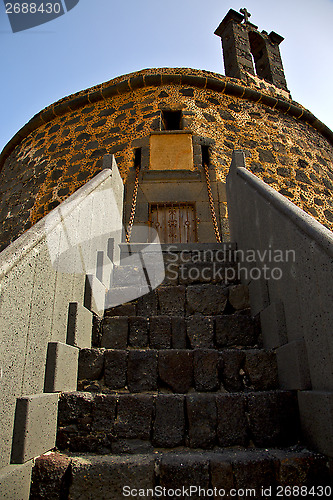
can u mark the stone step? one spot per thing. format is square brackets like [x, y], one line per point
[179, 371]
[179, 300]
[196, 251]
[125, 423]
[179, 332]
[128, 275]
[262, 473]
[175, 271]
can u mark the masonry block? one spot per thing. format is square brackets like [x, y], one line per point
[134, 417]
[169, 423]
[121, 295]
[138, 332]
[205, 369]
[79, 326]
[160, 332]
[104, 476]
[239, 297]
[221, 474]
[254, 469]
[302, 468]
[273, 325]
[94, 296]
[206, 299]
[40, 322]
[235, 330]
[142, 370]
[273, 418]
[259, 297]
[131, 446]
[128, 309]
[115, 332]
[50, 475]
[178, 332]
[200, 331]
[147, 304]
[127, 275]
[74, 406]
[231, 362]
[35, 426]
[184, 471]
[171, 300]
[171, 269]
[14, 315]
[316, 414]
[205, 230]
[61, 367]
[293, 366]
[115, 368]
[231, 420]
[203, 272]
[104, 414]
[202, 420]
[91, 364]
[175, 368]
[15, 481]
[261, 369]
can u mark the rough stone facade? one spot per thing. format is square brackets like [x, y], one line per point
[62, 147]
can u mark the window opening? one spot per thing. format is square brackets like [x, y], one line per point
[171, 120]
[137, 157]
[205, 155]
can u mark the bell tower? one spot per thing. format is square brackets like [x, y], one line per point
[247, 50]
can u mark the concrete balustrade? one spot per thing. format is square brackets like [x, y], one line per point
[296, 312]
[45, 316]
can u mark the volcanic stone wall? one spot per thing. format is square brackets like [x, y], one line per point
[62, 147]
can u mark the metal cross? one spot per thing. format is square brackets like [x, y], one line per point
[246, 14]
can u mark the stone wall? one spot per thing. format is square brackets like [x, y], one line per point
[62, 147]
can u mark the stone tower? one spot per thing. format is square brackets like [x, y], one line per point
[243, 44]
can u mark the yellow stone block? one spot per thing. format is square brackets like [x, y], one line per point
[171, 152]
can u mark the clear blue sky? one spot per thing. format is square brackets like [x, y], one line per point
[100, 39]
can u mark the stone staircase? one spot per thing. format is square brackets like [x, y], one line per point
[177, 392]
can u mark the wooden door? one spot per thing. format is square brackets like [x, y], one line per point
[174, 222]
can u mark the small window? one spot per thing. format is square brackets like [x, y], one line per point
[205, 155]
[171, 120]
[137, 157]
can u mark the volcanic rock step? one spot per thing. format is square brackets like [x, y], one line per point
[176, 272]
[130, 281]
[181, 300]
[135, 423]
[178, 371]
[74, 476]
[178, 332]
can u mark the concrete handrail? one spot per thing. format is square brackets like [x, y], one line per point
[12, 254]
[50, 286]
[306, 223]
[295, 308]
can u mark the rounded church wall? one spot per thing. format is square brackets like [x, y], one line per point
[65, 146]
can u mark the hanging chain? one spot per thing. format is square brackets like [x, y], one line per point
[211, 204]
[133, 207]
